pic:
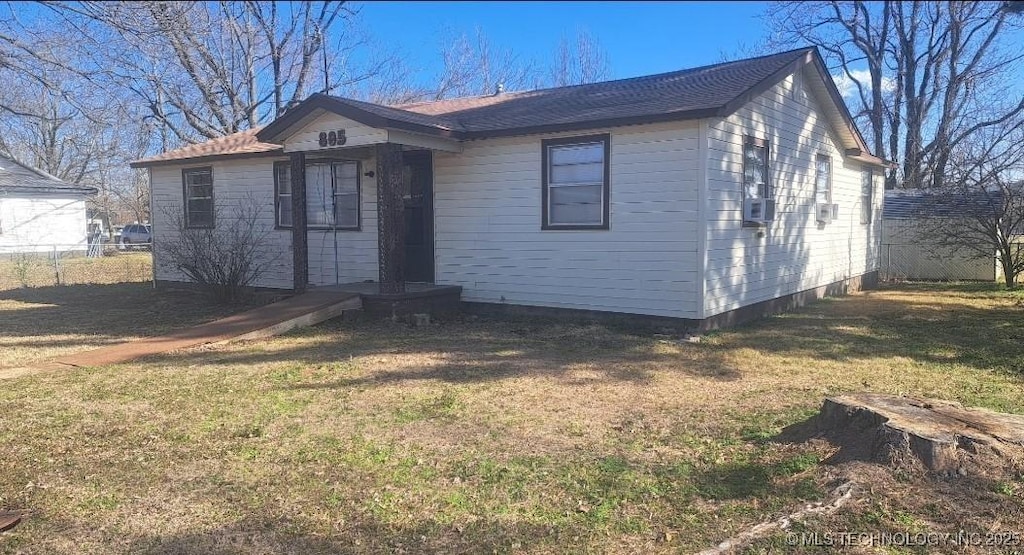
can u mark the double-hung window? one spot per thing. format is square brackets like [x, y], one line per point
[199, 210]
[756, 182]
[332, 194]
[283, 194]
[575, 182]
[867, 194]
[823, 179]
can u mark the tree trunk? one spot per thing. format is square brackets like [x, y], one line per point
[1009, 270]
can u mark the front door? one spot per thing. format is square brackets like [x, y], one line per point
[418, 191]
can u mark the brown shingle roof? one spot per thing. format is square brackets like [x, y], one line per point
[715, 90]
[236, 144]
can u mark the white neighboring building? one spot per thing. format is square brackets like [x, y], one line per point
[39, 212]
[712, 194]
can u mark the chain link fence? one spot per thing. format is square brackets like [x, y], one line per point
[95, 263]
[918, 262]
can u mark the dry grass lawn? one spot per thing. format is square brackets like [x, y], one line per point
[40, 323]
[480, 435]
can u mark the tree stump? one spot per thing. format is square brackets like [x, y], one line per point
[939, 436]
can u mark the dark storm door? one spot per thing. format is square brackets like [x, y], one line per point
[418, 176]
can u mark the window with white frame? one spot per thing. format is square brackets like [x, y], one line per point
[576, 182]
[823, 179]
[283, 194]
[199, 208]
[867, 194]
[332, 195]
[756, 182]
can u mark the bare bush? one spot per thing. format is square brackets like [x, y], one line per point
[225, 260]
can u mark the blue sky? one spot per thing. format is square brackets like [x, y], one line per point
[640, 37]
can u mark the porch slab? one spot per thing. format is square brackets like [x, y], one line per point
[418, 298]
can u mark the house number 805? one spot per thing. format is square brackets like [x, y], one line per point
[332, 138]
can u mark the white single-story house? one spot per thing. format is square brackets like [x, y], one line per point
[912, 250]
[709, 194]
[38, 212]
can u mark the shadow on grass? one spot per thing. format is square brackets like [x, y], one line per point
[975, 325]
[472, 350]
[914, 324]
[109, 310]
[956, 329]
[357, 533]
[462, 352]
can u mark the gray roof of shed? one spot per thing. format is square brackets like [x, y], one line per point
[16, 177]
[916, 203]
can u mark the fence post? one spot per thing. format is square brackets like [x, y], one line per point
[56, 266]
[888, 262]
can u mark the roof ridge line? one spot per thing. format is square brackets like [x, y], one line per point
[621, 79]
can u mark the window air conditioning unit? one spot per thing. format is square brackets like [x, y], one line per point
[825, 213]
[758, 210]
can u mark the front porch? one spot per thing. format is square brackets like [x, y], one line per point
[336, 151]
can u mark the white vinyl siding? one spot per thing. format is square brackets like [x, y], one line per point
[40, 223]
[238, 180]
[308, 138]
[794, 254]
[488, 235]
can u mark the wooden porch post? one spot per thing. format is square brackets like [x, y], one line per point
[300, 260]
[390, 219]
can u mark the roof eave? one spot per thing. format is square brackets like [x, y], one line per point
[590, 125]
[207, 158]
[272, 132]
[82, 191]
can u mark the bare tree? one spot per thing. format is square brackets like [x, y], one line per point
[980, 209]
[927, 75]
[225, 261]
[472, 66]
[578, 61]
[59, 121]
[205, 69]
